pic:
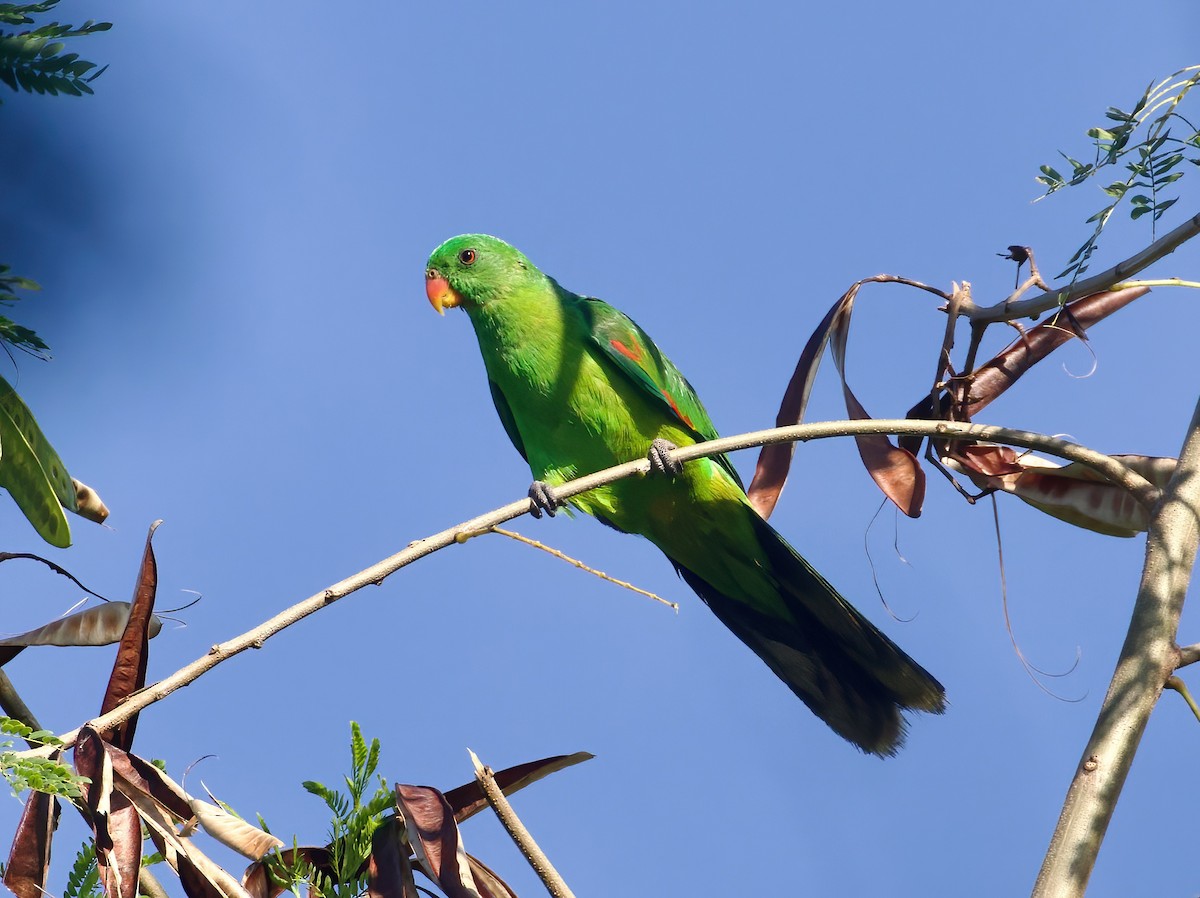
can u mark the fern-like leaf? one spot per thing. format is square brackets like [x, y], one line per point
[1153, 164]
[84, 879]
[34, 60]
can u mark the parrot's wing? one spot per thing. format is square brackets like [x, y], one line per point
[506, 418]
[634, 354]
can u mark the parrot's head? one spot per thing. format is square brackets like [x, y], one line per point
[471, 269]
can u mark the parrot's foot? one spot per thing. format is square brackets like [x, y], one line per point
[543, 499]
[660, 458]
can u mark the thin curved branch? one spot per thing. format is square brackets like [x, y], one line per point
[1109, 467]
[1148, 659]
[1106, 280]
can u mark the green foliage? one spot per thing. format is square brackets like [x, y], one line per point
[84, 879]
[34, 60]
[1166, 139]
[10, 332]
[38, 774]
[355, 818]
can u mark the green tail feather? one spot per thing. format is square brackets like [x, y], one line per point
[848, 673]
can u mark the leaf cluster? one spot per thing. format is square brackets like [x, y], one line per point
[355, 819]
[1153, 162]
[84, 879]
[13, 334]
[35, 61]
[393, 834]
[41, 774]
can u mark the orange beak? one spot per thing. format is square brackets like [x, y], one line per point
[441, 294]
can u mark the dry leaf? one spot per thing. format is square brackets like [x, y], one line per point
[29, 857]
[116, 826]
[468, 800]
[99, 625]
[389, 870]
[232, 831]
[434, 837]
[88, 504]
[129, 668]
[1072, 493]
[895, 470]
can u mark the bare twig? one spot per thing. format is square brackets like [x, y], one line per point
[563, 556]
[1110, 468]
[520, 835]
[1156, 282]
[1148, 658]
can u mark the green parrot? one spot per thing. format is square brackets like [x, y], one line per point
[579, 387]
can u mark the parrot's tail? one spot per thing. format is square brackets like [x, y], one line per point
[848, 673]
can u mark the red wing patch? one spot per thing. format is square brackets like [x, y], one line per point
[682, 417]
[634, 355]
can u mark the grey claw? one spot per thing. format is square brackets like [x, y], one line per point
[660, 459]
[543, 499]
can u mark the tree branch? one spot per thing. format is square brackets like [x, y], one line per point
[1110, 468]
[1148, 658]
[1045, 302]
[516, 830]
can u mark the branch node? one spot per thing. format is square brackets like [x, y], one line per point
[1188, 654]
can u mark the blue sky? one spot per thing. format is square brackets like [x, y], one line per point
[231, 237]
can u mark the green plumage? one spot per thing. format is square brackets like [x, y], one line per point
[580, 387]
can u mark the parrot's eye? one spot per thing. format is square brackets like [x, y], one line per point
[467, 257]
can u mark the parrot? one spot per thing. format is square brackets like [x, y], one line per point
[579, 387]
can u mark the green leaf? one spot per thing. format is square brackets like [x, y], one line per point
[1164, 206]
[13, 727]
[1051, 173]
[358, 747]
[84, 878]
[31, 471]
[1074, 163]
[47, 458]
[1100, 134]
[1165, 165]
